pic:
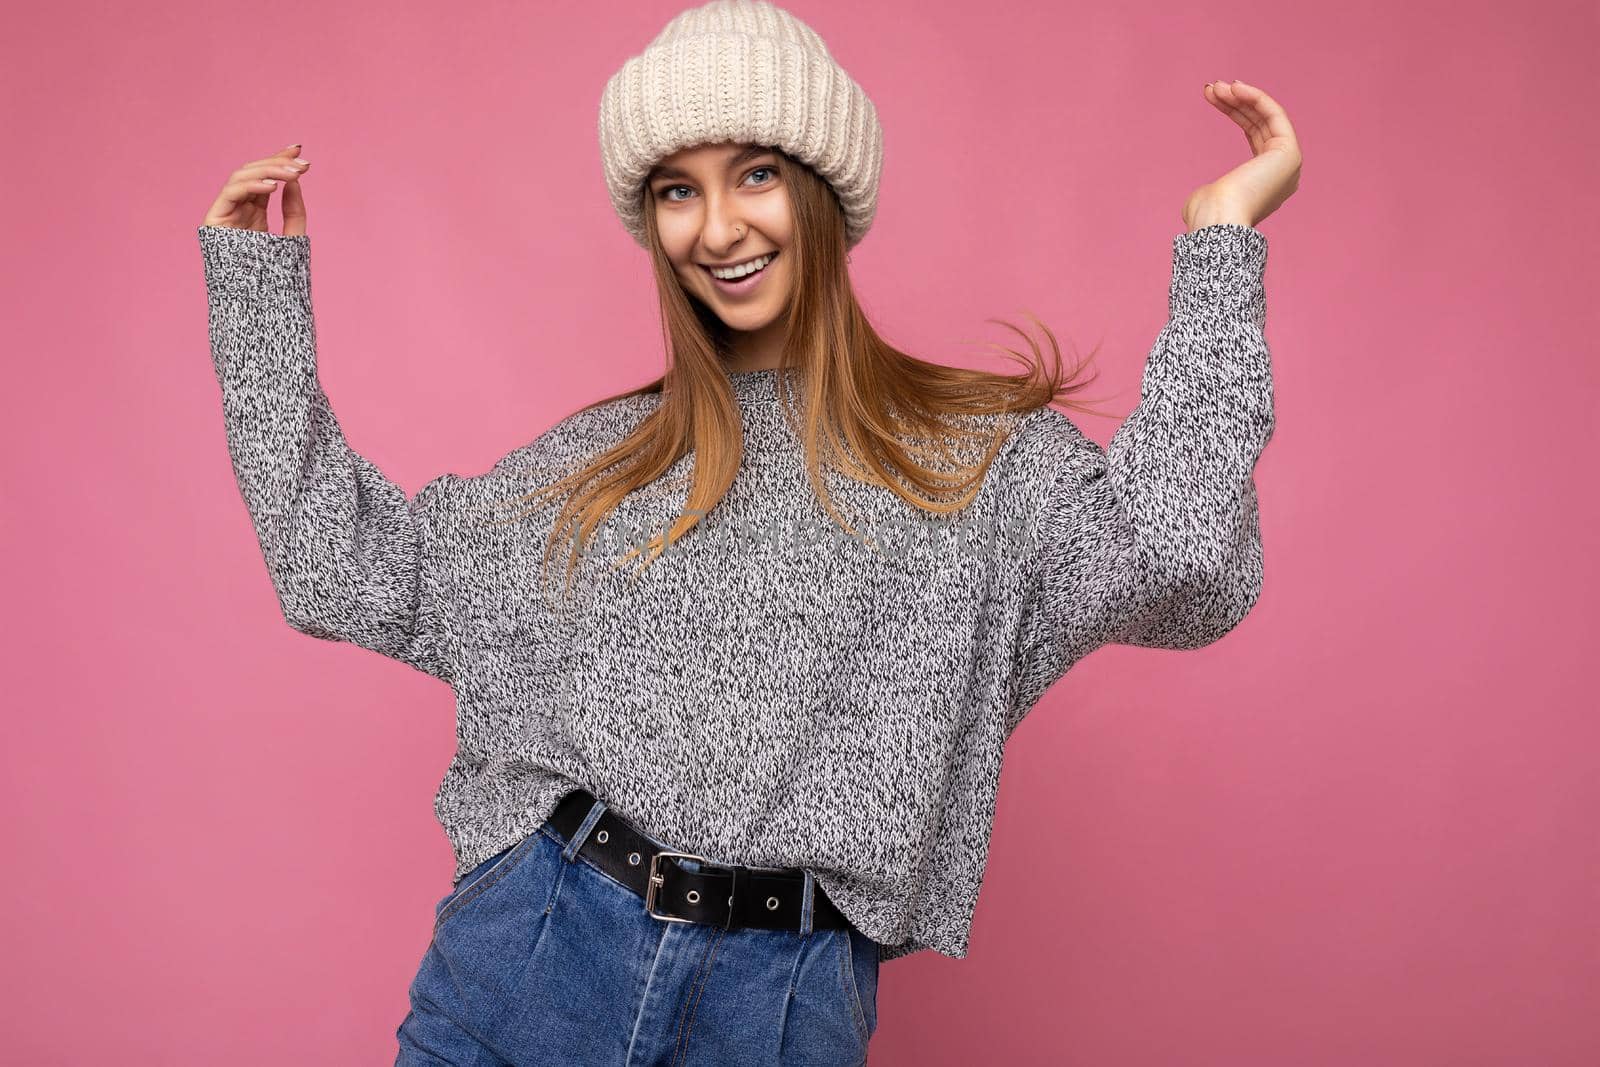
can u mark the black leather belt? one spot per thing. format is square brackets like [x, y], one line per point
[730, 896]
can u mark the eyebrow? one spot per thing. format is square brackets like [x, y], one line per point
[743, 157]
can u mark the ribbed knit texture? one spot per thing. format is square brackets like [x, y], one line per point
[742, 72]
[769, 692]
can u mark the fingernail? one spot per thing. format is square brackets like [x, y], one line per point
[269, 181]
[293, 146]
[303, 162]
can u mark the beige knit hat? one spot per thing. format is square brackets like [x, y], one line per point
[746, 72]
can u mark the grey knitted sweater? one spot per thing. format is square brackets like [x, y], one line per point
[771, 691]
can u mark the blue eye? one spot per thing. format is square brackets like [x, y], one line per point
[666, 191]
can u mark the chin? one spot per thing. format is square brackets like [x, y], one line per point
[746, 321]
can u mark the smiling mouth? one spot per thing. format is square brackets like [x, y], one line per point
[773, 258]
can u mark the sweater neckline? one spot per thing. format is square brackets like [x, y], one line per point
[755, 385]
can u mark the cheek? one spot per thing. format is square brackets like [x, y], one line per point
[681, 258]
[775, 219]
[786, 279]
[676, 233]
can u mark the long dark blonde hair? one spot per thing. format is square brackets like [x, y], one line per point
[880, 413]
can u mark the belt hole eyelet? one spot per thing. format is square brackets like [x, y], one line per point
[603, 836]
[633, 859]
[772, 903]
[694, 896]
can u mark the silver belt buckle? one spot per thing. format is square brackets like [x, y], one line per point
[656, 881]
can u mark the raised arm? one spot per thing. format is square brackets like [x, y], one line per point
[1156, 540]
[348, 554]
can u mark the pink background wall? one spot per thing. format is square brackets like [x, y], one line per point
[1360, 830]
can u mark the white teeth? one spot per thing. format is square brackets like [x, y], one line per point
[742, 269]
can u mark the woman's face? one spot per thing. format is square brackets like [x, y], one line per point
[725, 205]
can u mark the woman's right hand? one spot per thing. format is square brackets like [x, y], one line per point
[242, 204]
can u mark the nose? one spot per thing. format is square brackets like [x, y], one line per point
[724, 226]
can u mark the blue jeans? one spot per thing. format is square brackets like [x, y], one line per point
[539, 957]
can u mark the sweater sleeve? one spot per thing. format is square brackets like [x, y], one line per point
[349, 556]
[1156, 540]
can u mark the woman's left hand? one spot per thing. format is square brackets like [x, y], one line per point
[1256, 188]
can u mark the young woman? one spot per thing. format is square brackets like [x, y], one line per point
[736, 653]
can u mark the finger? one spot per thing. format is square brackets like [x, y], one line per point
[1270, 115]
[288, 152]
[258, 182]
[252, 185]
[294, 209]
[285, 169]
[1236, 106]
[1218, 94]
[236, 193]
[1269, 122]
[246, 187]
